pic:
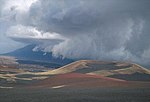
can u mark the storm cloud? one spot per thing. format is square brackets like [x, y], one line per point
[81, 29]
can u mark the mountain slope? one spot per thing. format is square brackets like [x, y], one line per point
[27, 53]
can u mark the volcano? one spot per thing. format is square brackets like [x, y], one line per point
[27, 55]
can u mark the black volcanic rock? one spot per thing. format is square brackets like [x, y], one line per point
[132, 77]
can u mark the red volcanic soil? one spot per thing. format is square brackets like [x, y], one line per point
[76, 80]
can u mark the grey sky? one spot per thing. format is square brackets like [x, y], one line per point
[93, 29]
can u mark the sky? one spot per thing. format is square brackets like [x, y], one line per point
[78, 29]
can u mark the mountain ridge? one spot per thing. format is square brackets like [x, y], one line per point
[27, 53]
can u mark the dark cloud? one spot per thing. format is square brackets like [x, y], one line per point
[93, 29]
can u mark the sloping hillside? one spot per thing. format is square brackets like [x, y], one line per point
[79, 80]
[104, 68]
[86, 66]
[80, 73]
[27, 53]
[134, 73]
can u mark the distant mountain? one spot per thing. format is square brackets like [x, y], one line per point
[27, 54]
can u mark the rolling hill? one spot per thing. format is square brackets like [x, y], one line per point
[82, 73]
[121, 70]
[77, 80]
